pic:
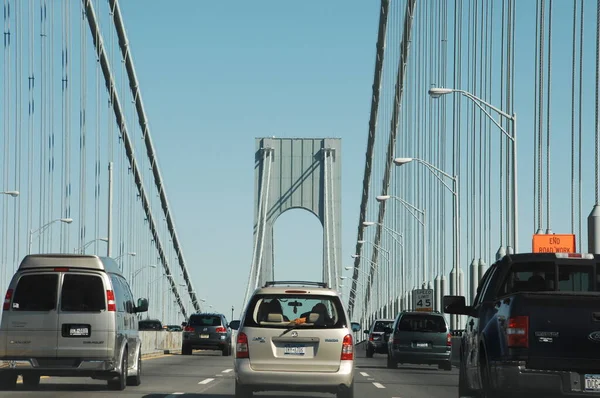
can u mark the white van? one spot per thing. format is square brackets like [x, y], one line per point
[70, 315]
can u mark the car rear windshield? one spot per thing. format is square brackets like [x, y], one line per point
[422, 323]
[36, 293]
[301, 310]
[381, 325]
[205, 320]
[149, 325]
[82, 293]
[543, 276]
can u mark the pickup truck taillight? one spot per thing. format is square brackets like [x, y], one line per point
[517, 332]
[449, 340]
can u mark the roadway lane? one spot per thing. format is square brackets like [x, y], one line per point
[209, 375]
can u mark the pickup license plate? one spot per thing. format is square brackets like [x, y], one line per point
[592, 382]
[204, 336]
[294, 349]
[422, 345]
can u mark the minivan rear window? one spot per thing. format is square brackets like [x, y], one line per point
[381, 325]
[422, 323]
[302, 310]
[82, 293]
[35, 293]
[205, 320]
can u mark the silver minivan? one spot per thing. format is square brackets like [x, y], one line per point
[295, 336]
[70, 315]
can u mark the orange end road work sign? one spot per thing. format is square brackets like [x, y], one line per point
[555, 243]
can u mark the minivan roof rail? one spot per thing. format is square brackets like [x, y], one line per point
[302, 283]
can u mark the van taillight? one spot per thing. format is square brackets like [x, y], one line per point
[7, 299]
[517, 332]
[241, 348]
[449, 340]
[221, 329]
[110, 299]
[347, 348]
[188, 329]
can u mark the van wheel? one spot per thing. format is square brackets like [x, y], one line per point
[8, 381]
[31, 379]
[137, 379]
[242, 391]
[346, 392]
[391, 364]
[186, 349]
[120, 382]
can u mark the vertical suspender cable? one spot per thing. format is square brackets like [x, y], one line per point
[580, 113]
[43, 110]
[541, 112]
[82, 127]
[574, 51]
[7, 125]
[535, 117]
[597, 104]
[548, 119]
[502, 202]
[30, 114]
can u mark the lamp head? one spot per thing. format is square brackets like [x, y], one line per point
[436, 92]
[382, 198]
[402, 161]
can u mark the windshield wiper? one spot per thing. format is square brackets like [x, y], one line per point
[289, 329]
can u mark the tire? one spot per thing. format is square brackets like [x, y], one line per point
[445, 366]
[225, 351]
[346, 392]
[8, 381]
[391, 363]
[484, 369]
[31, 380]
[242, 391]
[137, 379]
[186, 349]
[120, 382]
[463, 389]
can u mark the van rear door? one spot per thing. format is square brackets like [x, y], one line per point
[86, 315]
[31, 319]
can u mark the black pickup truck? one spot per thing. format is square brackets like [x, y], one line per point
[533, 329]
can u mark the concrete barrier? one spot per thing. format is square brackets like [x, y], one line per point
[160, 342]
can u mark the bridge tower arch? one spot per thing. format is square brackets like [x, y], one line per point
[294, 173]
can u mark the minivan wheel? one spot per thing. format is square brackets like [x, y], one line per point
[8, 381]
[242, 391]
[120, 382]
[31, 379]
[137, 379]
[346, 392]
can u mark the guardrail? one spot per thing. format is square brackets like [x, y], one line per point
[160, 342]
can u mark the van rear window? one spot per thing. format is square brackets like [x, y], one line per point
[422, 323]
[82, 293]
[35, 293]
[302, 310]
[205, 320]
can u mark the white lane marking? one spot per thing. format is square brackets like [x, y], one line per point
[218, 375]
[205, 381]
[378, 385]
[364, 374]
[227, 370]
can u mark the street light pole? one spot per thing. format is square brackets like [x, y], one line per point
[437, 92]
[41, 230]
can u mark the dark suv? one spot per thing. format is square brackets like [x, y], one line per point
[206, 332]
[420, 338]
[377, 337]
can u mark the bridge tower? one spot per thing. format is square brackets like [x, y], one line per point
[292, 173]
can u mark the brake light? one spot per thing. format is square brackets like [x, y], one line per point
[110, 298]
[296, 291]
[241, 348]
[449, 340]
[63, 269]
[517, 332]
[371, 337]
[188, 329]
[7, 299]
[221, 329]
[347, 348]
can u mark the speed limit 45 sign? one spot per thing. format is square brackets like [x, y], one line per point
[423, 300]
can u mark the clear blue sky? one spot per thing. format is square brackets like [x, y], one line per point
[215, 75]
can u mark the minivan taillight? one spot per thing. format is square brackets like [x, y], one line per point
[517, 332]
[221, 329]
[241, 348]
[110, 299]
[449, 340]
[347, 348]
[7, 299]
[188, 329]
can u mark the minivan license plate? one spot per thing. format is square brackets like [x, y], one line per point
[592, 382]
[294, 349]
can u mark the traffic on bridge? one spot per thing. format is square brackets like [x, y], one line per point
[456, 255]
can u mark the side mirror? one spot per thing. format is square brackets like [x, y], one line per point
[235, 325]
[366, 332]
[355, 326]
[388, 330]
[183, 324]
[142, 305]
[456, 305]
